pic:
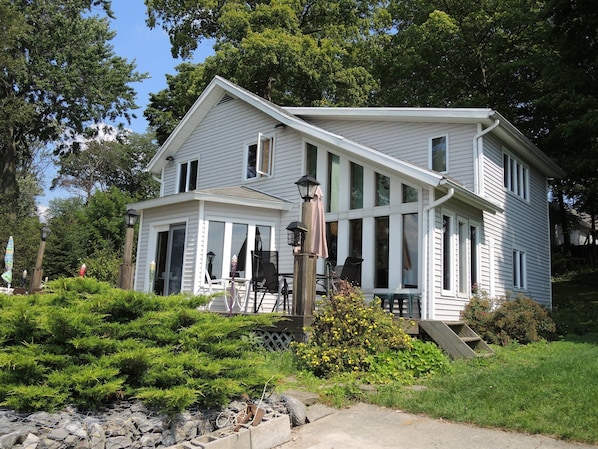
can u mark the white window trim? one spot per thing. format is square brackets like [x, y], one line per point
[430, 154]
[476, 246]
[452, 271]
[522, 179]
[259, 174]
[519, 258]
[463, 276]
[187, 180]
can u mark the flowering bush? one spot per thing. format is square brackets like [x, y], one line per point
[346, 332]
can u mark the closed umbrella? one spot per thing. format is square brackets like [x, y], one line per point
[8, 261]
[318, 216]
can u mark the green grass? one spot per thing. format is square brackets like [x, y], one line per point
[542, 388]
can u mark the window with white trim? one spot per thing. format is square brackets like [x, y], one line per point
[447, 265]
[439, 154]
[259, 158]
[188, 176]
[515, 176]
[519, 269]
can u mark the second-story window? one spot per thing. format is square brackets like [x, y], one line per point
[188, 176]
[439, 154]
[259, 158]
[515, 176]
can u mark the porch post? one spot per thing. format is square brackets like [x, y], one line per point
[304, 273]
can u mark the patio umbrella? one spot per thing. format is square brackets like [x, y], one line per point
[8, 261]
[318, 216]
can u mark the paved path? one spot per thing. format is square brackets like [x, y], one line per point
[365, 426]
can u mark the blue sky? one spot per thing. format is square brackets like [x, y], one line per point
[150, 50]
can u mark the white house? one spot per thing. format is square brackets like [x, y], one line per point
[435, 201]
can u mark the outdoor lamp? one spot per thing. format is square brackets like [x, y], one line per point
[45, 231]
[211, 256]
[131, 218]
[307, 187]
[295, 233]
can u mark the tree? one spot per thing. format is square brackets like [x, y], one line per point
[104, 163]
[58, 75]
[292, 53]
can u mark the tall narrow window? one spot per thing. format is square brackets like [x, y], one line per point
[356, 239]
[215, 246]
[259, 158]
[439, 154]
[188, 176]
[311, 160]
[382, 190]
[410, 253]
[332, 241]
[446, 252]
[170, 249]
[356, 200]
[519, 269]
[239, 249]
[463, 255]
[473, 267]
[381, 242]
[515, 176]
[333, 182]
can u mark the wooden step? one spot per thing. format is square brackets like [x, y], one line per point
[456, 338]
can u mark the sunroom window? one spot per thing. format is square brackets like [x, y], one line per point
[259, 158]
[439, 154]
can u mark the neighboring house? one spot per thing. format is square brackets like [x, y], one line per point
[436, 201]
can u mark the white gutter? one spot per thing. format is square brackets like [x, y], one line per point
[478, 174]
[428, 254]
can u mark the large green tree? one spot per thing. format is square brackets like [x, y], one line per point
[302, 52]
[58, 75]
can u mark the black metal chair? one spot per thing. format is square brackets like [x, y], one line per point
[265, 278]
[350, 271]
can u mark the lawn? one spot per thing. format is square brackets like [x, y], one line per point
[545, 388]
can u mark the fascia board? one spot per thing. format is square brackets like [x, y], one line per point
[180, 198]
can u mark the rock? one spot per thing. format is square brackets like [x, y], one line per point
[31, 442]
[9, 440]
[119, 442]
[297, 410]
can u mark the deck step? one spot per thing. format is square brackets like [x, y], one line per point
[456, 338]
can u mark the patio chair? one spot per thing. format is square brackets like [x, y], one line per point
[350, 271]
[265, 278]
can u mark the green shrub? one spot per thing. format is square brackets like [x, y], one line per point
[28, 398]
[523, 321]
[346, 331]
[515, 320]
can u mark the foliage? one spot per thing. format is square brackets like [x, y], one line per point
[514, 320]
[575, 302]
[349, 335]
[85, 343]
[542, 388]
[60, 75]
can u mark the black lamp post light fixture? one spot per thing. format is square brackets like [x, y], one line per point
[131, 218]
[307, 187]
[210, 255]
[296, 233]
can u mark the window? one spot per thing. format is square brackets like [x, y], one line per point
[188, 176]
[410, 251]
[381, 248]
[311, 160]
[356, 200]
[333, 182]
[474, 257]
[515, 176]
[382, 190]
[332, 241]
[519, 269]
[409, 194]
[446, 252]
[170, 248]
[463, 256]
[259, 158]
[439, 154]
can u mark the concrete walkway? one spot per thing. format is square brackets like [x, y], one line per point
[365, 426]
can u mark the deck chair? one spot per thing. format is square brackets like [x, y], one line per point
[265, 278]
[350, 271]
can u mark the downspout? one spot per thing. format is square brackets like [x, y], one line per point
[478, 176]
[428, 254]
[159, 180]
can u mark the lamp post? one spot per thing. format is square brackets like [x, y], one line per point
[304, 273]
[36, 278]
[125, 275]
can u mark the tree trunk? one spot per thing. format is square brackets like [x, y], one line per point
[564, 219]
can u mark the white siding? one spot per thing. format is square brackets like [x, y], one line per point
[410, 142]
